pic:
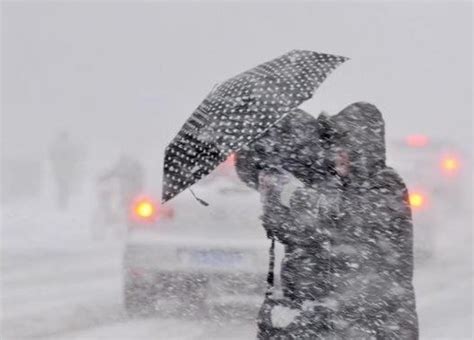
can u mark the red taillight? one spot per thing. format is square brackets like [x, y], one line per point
[144, 209]
[417, 141]
[417, 199]
[449, 164]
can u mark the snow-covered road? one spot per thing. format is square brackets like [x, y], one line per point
[76, 294]
[46, 293]
[58, 284]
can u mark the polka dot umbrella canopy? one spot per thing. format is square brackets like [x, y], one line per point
[240, 110]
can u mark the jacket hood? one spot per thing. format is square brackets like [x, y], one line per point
[301, 144]
[362, 130]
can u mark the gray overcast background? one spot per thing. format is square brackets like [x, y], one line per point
[127, 75]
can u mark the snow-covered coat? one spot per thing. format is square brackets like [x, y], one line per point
[348, 265]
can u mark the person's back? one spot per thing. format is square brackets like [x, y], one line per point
[360, 268]
[372, 242]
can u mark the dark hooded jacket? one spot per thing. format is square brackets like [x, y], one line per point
[291, 145]
[348, 265]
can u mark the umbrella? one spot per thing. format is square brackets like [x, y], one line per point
[240, 110]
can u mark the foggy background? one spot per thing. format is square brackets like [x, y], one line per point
[127, 75]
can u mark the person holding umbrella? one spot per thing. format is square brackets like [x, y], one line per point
[348, 265]
[347, 272]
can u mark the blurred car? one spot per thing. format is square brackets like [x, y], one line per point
[185, 257]
[433, 171]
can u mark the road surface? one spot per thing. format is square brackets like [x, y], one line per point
[57, 283]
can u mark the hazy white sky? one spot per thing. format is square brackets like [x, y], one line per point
[129, 74]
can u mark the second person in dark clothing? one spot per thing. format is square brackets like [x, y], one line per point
[348, 265]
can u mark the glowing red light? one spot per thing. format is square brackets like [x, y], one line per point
[144, 209]
[418, 199]
[417, 141]
[449, 164]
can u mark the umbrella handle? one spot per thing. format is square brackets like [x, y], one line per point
[200, 200]
[271, 267]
